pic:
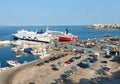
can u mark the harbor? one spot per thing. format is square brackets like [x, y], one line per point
[73, 60]
[59, 42]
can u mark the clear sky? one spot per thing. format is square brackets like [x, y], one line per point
[59, 12]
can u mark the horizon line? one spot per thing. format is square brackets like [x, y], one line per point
[42, 25]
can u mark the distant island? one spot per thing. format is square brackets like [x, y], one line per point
[104, 26]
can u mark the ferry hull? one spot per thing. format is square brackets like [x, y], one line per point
[16, 38]
[62, 38]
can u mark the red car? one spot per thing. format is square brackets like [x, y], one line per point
[68, 62]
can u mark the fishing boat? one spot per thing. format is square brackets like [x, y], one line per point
[13, 63]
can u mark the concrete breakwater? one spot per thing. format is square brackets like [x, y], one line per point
[105, 26]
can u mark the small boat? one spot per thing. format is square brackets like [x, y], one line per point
[18, 56]
[28, 50]
[37, 52]
[25, 61]
[13, 63]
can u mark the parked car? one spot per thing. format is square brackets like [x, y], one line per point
[72, 59]
[108, 56]
[57, 57]
[39, 64]
[74, 67]
[103, 61]
[47, 61]
[54, 58]
[91, 60]
[77, 57]
[59, 80]
[53, 65]
[51, 59]
[55, 68]
[83, 64]
[31, 82]
[61, 64]
[69, 72]
[106, 68]
[64, 76]
[68, 62]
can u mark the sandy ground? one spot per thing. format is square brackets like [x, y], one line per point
[45, 75]
[40, 74]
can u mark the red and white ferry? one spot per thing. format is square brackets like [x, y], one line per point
[44, 36]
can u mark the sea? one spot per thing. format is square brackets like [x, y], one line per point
[80, 30]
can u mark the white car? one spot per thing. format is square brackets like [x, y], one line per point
[61, 64]
[75, 67]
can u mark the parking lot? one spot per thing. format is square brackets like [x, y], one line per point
[44, 71]
[45, 74]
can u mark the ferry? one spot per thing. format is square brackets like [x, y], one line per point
[63, 36]
[32, 36]
[44, 36]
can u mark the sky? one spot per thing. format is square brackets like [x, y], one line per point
[59, 12]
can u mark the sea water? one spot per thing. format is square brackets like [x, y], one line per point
[81, 31]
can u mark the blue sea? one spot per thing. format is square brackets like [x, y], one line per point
[81, 31]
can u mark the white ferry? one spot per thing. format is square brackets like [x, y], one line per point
[44, 36]
[32, 36]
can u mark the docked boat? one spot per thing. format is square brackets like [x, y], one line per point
[63, 36]
[38, 36]
[18, 56]
[42, 53]
[13, 63]
[44, 36]
[37, 52]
